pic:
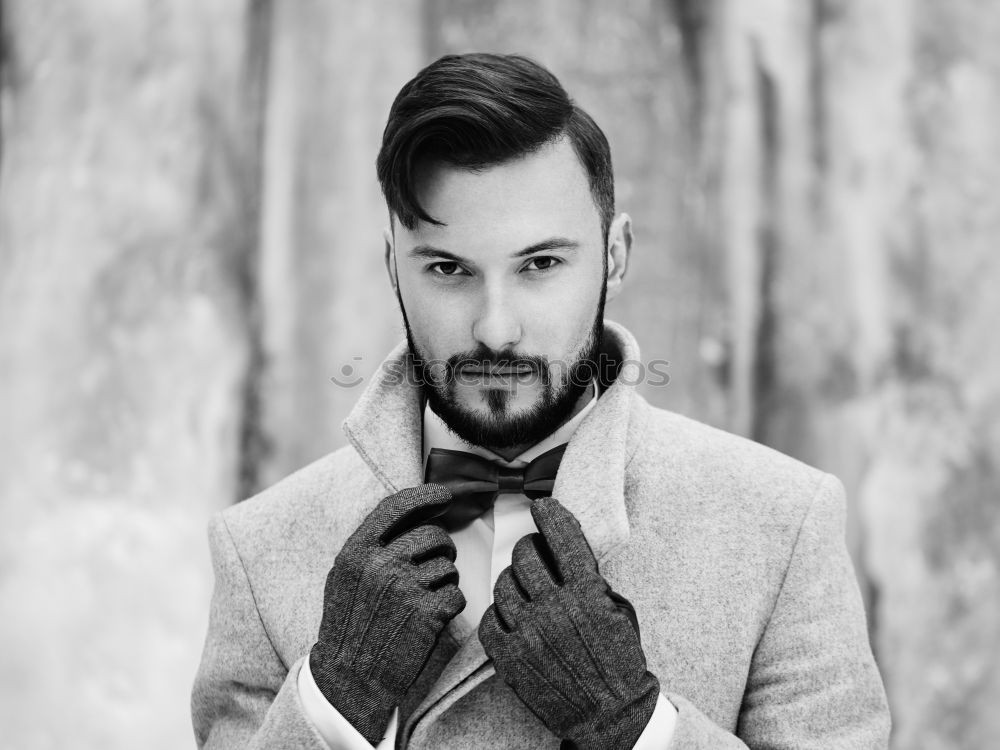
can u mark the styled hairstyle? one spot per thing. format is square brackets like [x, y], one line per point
[479, 110]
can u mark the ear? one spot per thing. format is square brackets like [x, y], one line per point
[390, 258]
[619, 248]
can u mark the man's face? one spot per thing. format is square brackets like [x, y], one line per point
[504, 303]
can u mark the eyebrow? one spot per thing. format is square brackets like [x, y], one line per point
[552, 243]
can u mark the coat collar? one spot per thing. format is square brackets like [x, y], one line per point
[385, 427]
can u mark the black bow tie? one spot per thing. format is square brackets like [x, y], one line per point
[475, 481]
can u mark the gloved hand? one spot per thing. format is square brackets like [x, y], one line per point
[557, 638]
[392, 589]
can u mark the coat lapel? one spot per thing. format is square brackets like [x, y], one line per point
[591, 478]
[385, 428]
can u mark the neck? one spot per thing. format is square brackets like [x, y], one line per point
[508, 454]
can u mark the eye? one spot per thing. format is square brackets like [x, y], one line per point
[444, 268]
[543, 263]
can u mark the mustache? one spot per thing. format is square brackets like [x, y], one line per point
[489, 361]
[476, 362]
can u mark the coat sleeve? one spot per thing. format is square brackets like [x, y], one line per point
[244, 696]
[813, 682]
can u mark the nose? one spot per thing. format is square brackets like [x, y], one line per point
[497, 325]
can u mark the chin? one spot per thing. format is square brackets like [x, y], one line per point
[498, 401]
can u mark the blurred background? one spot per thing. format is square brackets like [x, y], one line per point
[190, 228]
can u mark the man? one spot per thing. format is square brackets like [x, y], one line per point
[516, 550]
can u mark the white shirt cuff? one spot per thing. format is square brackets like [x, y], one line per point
[660, 728]
[338, 732]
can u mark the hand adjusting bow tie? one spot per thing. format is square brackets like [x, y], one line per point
[475, 481]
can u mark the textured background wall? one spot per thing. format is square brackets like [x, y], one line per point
[190, 248]
[128, 180]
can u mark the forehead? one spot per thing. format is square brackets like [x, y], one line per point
[509, 205]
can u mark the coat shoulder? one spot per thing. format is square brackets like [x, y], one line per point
[297, 507]
[710, 466]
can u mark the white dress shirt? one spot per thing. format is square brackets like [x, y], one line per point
[484, 549]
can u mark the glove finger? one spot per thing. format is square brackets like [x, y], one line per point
[508, 598]
[492, 632]
[625, 607]
[437, 573]
[530, 568]
[405, 510]
[565, 538]
[422, 544]
[445, 603]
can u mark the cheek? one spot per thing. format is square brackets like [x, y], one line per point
[567, 319]
[436, 323]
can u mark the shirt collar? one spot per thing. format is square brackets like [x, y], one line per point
[437, 434]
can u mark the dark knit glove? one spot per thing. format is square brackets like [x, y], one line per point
[392, 589]
[558, 639]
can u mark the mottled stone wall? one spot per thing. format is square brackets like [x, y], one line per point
[328, 314]
[128, 172]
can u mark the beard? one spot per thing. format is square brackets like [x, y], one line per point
[501, 427]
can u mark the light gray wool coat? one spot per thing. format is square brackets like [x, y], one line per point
[732, 554]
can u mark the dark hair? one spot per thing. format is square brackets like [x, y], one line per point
[479, 110]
